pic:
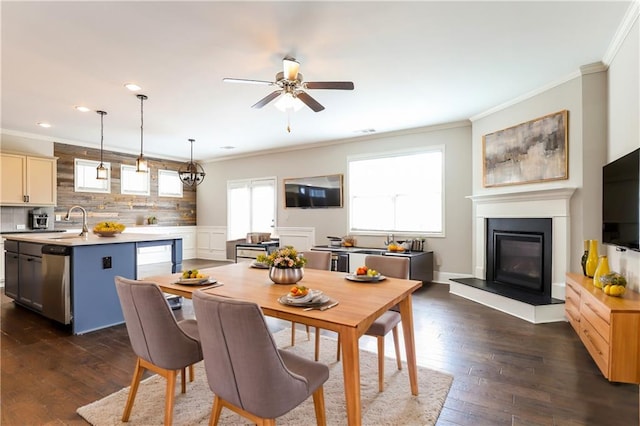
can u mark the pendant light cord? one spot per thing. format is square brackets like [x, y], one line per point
[101, 133]
[141, 122]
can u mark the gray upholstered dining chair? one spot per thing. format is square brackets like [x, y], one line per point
[396, 267]
[163, 345]
[315, 260]
[246, 371]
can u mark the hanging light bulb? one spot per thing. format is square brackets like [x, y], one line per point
[141, 163]
[101, 171]
[191, 173]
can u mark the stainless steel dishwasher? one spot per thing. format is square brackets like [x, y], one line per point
[56, 286]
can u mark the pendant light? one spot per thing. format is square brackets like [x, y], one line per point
[191, 173]
[101, 171]
[141, 163]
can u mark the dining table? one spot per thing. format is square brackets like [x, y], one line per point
[359, 304]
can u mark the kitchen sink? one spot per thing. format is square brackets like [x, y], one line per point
[65, 237]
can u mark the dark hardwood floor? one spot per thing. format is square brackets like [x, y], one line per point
[506, 370]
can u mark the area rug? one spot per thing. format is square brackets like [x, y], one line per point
[394, 406]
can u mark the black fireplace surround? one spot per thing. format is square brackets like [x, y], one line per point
[518, 260]
[519, 253]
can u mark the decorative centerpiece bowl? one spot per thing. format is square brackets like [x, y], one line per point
[108, 229]
[286, 266]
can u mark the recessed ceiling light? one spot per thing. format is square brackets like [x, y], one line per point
[366, 131]
[133, 87]
[44, 124]
[82, 108]
[227, 147]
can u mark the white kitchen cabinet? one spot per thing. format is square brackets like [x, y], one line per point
[27, 180]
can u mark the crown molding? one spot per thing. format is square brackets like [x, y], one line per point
[630, 17]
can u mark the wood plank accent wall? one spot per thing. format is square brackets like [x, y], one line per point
[127, 209]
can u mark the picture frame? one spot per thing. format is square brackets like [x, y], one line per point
[530, 152]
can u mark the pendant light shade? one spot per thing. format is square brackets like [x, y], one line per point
[191, 173]
[141, 163]
[101, 171]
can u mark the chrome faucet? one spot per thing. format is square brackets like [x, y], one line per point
[85, 229]
[390, 239]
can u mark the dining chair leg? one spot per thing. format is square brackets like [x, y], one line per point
[396, 342]
[380, 363]
[318, 404]
[215, 411]
[308, 333]
[183, 378]
[135, 381]
[338, 349]
[317, 351]
[168, 404]
[293, 333]
[192, 373]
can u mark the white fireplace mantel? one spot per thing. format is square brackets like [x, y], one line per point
[554, 203]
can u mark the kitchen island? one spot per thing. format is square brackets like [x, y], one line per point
[77, 273]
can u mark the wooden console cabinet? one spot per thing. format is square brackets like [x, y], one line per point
[608, 327]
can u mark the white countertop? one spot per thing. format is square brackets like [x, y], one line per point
[73, 239]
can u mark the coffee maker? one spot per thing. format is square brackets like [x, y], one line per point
[38, 219]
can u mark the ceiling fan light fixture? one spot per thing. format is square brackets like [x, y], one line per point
[291, 68]
[191, 174]
[101, 171]
[142, 166]
[288, 103]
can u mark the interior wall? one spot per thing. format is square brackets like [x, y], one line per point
[567, 95]
[452, 253]
[624, 130]
[26, 145]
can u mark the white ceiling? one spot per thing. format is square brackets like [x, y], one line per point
[413, 64]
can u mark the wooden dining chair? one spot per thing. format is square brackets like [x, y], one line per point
[315, 260]
[162, 344]
[246, 371]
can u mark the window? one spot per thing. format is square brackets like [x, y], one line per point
[85, 176]
[132, 182]
[251, 207]
[397, 192]
[169, 184]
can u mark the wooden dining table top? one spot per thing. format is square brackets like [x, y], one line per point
[360, 303]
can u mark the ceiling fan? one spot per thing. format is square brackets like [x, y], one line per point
[291, 85]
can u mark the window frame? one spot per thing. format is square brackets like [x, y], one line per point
[125, 170]
[398, 153]
[93, 165]
[169, 174]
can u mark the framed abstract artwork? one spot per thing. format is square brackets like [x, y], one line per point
[535, 151]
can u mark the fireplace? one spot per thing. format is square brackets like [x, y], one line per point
[532, 300]
[518, 255]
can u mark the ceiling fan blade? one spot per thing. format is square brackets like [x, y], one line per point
[242, 80]
[271, 96]
[339, 85]
[309, 101]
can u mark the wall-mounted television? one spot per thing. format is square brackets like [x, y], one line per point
[315, 192]
[621, 201]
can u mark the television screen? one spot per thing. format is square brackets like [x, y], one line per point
[620, 201]
[313, 192]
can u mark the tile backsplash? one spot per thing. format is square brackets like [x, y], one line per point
[12, 217]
